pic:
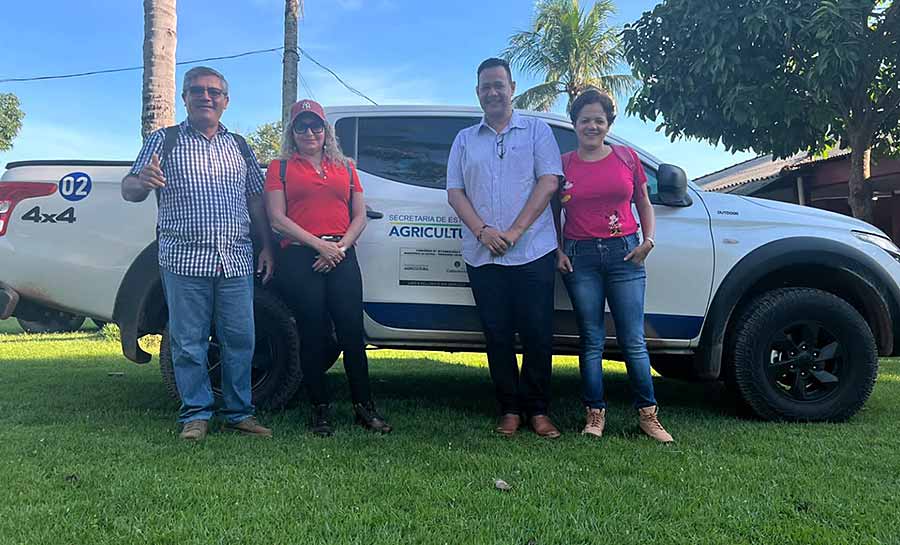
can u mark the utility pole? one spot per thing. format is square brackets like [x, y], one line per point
[292, 10]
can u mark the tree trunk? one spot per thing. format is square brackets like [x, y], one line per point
[860, 169]
[291, 60]
[158, 93]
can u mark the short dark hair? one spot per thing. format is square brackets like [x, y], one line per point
[593, 96]
[199, 71]
[492, 63]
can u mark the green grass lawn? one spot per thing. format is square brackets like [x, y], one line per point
[89, 454]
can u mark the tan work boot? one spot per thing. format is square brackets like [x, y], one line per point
[248, 426]
[595, 421]
[195, 430]
[650, 425]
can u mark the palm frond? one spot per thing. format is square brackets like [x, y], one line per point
[618, 85]
[540, 97]
[572, 49]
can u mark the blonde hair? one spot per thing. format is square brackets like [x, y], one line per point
[332, 151]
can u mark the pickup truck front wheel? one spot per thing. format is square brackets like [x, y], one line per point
[275, 376]
[803, 354]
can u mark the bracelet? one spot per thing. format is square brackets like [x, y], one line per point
[651, 241]
[481, 232]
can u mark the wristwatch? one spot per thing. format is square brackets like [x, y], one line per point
[651, 241]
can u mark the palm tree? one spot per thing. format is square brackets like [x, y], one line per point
[158, 94]
[292, 11]
[571, 50]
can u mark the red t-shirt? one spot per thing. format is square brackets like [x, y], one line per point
[317, 203]
[597, 196]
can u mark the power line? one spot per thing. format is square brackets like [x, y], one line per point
[194, 61]
[330, 71]
[132, 68]
[306, 87]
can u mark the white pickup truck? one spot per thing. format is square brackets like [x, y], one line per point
[791, 306]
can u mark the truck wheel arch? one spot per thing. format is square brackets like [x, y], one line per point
[140, 307]
[851, 274]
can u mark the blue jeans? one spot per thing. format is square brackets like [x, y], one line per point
[600, 273]
[196, 305]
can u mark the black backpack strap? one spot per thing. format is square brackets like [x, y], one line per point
[282, 173]
[244, 147]
[349, 168]
[169, 142]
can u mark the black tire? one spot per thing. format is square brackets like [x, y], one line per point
[54, 321]
[803, 354]
[674, 366]
[276, 371]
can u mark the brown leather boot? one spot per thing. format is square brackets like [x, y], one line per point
[650, 425]
[543, 426]
[195, 430]
[508, 424]
[595, 421]
[248, 426]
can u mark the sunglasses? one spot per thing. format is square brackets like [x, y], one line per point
[199, 90]
[316, 127]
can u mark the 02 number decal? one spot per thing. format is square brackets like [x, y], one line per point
[35, 215]
[75, 186]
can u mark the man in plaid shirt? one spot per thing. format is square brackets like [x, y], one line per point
[210, 196]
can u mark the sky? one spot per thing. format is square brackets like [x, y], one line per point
[394, 51]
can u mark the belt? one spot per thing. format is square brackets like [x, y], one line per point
[327, 238]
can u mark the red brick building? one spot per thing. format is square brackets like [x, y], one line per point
[818, 182]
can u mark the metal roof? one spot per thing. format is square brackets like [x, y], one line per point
[760, 169]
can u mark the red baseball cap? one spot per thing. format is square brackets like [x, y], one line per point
[307, 106]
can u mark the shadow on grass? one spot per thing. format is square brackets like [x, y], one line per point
[109, 388]
[47, 338]
[434, 384]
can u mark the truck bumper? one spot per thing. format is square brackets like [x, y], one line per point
[9, 298]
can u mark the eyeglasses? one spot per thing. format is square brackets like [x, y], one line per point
[315, 128]
[199, 90]
[501, 150]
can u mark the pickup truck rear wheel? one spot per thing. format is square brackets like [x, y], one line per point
[803, 354]
[275, 376]
[54, 321]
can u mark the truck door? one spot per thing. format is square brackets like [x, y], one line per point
[415, 286]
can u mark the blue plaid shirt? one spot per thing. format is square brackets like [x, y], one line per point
[204, 221]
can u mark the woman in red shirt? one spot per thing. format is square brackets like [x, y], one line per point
[315, 201]
[601, 257]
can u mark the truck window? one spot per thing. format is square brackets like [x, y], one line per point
[345, 131]
[565, 138]
[409, 150]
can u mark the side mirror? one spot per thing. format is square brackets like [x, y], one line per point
[672, 186]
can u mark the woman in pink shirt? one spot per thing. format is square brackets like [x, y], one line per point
[601, 257]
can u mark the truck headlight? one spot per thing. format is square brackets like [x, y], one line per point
[882, 242]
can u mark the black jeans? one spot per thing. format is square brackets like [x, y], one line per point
[510, 300]
[317, 300]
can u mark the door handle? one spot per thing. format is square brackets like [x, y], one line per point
[373, 214]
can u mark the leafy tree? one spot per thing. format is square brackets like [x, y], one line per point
[10, 119]
[265, 141]
[571, 50]
[775, 76]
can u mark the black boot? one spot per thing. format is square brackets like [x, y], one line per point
[321, 420]
[368, 417]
